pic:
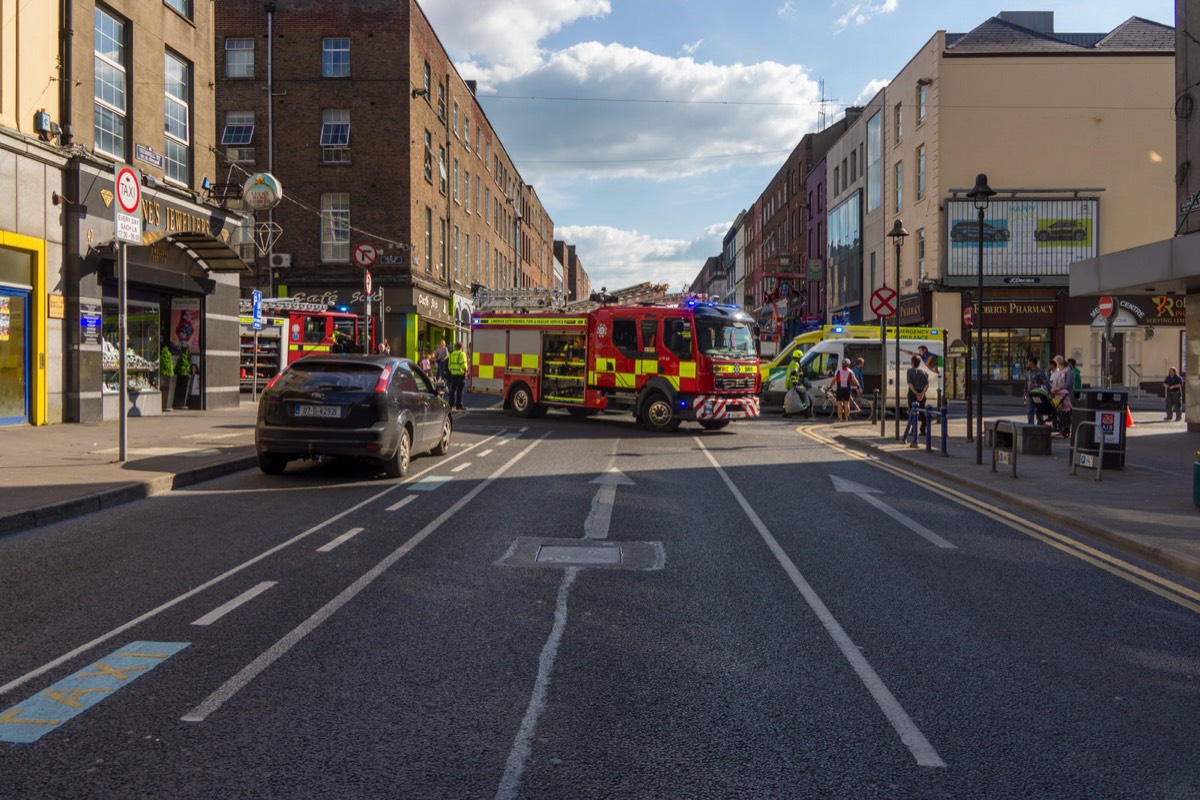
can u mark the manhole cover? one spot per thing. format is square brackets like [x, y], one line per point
[579, 555]
[591, 553]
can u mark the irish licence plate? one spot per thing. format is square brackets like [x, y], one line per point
[318, 411]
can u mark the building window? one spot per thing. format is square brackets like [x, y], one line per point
[428, 239]
[457, 237]
[457, 183]
[428, 157]
[184, 7]
[899, 122]
[921, 172]
[836, 180]
[454, 118]
[335, 136]
[177, 162]
[239, 58]
[899, 186]
[109, 45]
[466, 131]
[478, 139]
[335, 58]
[467, 194]
[441, 108]
[238, 136]
[920, 254]
[875, 161]
[921, 96]
[487, 201]
[441, 169]
[853, 166]
[441, 247]
[479, 195]
[468, 275]
[335, 227]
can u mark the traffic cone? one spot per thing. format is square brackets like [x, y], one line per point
[1129, 418]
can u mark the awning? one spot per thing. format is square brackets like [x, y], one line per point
[214, 255]
[1170, 266]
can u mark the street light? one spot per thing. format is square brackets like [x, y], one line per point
[897, 234]
[980, 196]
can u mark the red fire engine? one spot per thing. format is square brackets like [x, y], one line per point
[313, 327]
[664, 364]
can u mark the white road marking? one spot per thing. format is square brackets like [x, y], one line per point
[461, 467]
[909, 734]
[248, 673]
[402, 503]
[244, 597]
[600, 517]
[865, 492]
[522, 746]
[117, 631]
[345, 537]
[216, 435]
[485, 453]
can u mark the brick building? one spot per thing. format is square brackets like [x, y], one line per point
[576, 284]
[377, 139]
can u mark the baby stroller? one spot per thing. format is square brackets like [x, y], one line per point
[1053, 408]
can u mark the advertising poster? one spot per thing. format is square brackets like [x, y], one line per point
[4, 319]
[185, 323]
[1020, 237]
[1108, 426]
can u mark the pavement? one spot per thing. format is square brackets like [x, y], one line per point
[56, 472]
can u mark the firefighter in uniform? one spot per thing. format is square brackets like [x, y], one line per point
[456, 365]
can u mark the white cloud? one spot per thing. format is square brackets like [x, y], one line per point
[787, 9]
[861, 11]
[616, 258]
[690, 49]
[869, 91]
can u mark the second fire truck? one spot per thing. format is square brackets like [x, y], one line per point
[664, 365]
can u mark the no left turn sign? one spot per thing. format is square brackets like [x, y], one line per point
[365, 255]
[883, 301]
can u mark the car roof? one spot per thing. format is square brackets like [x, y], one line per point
[351, 358]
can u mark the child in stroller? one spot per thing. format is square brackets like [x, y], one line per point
[1053, 408]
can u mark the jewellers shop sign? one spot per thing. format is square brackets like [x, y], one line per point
[161, 215]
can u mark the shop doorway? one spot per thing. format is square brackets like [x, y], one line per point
[15, 377]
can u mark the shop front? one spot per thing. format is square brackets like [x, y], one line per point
[1016, 327]
[22, 330]
[1148, 337]
[182, 287]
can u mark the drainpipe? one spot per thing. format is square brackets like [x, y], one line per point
[270, 9]
[66, 75]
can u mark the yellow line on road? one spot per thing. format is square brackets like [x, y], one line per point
[1167, 589]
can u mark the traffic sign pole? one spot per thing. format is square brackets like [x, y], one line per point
[127, 228]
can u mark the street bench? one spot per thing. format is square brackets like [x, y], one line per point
[1032, 440]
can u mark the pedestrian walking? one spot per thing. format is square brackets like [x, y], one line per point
[441, 355]
[1173, 385]
[425, 362]
[844, 383]
[1062, 382]
[918, 386]
[1035, 378]
[456, 367]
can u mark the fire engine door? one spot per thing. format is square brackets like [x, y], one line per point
[627, 354]
[563, 367]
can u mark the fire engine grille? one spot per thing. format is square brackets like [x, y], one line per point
[734, 382]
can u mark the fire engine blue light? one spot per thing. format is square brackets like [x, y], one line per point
[343, 308]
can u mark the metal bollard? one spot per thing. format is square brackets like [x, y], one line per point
[875, 407]
[944, 414]
[927, 412]
[910, 426]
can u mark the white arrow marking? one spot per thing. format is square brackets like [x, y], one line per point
[600, 517]
[865, 492]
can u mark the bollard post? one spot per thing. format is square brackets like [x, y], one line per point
[911, 426]
[882, 416]
[944, 415]
[927, 412]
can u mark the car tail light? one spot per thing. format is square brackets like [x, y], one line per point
[381, 384]
[273, 381]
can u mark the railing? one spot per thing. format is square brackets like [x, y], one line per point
[1136, 386]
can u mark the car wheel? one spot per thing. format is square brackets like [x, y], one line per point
[397, 465]
[658, 416]
[522, 401]
[272, 463]
[1079, 236]
[443, 445]
[716, 424]
[1042, 236]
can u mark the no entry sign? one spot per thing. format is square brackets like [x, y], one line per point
[883, 301]
[967, 316]
[1107, 305]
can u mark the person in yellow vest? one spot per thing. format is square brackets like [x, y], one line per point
[457, 367]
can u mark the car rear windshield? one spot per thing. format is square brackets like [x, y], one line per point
[331, 377]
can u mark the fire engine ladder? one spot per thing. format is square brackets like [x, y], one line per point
[641, 294]
[517, 299]
[279, 305]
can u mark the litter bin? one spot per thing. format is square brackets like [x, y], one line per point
[1106, 408]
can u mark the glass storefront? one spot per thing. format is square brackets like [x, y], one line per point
[14, 356]
[1005, 354]
[144, 345]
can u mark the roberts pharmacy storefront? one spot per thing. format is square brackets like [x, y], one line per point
[182, 297]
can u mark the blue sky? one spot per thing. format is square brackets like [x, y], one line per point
[646, 126]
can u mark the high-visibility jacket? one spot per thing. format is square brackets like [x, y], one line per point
[457, 363]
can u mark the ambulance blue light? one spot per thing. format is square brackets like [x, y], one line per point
[934, 331]
[839, 329]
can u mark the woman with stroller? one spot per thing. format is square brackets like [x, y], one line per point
[1062, 385]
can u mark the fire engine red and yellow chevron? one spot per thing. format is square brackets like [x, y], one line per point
[711, 406]
[488, 366]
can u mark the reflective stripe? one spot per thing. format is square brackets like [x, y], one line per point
[647, 366]
[687, 369]
[626, 380]
[529, 361]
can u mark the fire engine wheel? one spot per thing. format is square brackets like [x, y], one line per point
[713, 424]
[657, 415]
[522, 401]
[397, 465]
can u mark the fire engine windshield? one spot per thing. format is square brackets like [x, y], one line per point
[725, 338]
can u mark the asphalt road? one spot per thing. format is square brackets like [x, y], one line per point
[578, 609]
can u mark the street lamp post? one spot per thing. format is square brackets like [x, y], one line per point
[897, 234]
[980, 195]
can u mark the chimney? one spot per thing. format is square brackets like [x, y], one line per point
[471, 85]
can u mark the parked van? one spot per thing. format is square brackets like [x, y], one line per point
[823, 359]
[774, 372]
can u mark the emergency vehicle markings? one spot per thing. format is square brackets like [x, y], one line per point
[345, 537]
[911, 736]
[241, 599]
[28, 721]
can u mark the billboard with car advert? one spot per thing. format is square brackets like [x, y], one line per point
[1022, 238]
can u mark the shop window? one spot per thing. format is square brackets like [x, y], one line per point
[335, 58]
[110, 86]
[144, 342]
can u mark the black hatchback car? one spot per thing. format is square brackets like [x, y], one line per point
[379, 409]
[969, 232]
